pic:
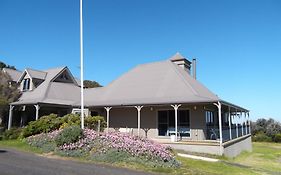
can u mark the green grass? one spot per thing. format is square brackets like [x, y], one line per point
[264, 159]
[19, 145]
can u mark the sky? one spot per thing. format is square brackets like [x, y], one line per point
[237, 44]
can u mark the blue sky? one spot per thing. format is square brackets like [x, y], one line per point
[237, 43]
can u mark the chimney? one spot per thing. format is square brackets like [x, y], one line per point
[181, 61]
[194, 68]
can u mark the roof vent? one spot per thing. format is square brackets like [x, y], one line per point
[181, 61]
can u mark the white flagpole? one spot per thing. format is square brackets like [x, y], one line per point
[81, 64]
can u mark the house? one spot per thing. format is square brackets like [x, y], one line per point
[161, 100]
[44, 92]
[13, 74]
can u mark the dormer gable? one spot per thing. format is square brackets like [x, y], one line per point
[64, 76]
[31, 79]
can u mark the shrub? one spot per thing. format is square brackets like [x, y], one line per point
[43, 125]
[277, 138]
[261, 137]
[111, 156]
[44, 141]
[105, 147]
[52, 122]
[13, 133]
[92, 122]
[70, 120]
[69, 135]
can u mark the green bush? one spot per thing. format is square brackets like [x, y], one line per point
[69, 135]
[52, 122]
[277, 138]
[111, 156]
[92, 122]
[261, 137]
[70, 120]
[13, 133]
[43, 125]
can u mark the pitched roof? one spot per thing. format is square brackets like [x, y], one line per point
[51, 92]
[36, 74]
[14, 74]
[153, 83]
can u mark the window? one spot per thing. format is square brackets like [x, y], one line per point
[78, 111]
[166, 122]
[26, 84]
[209, 117]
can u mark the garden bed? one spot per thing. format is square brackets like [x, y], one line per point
[105, 147]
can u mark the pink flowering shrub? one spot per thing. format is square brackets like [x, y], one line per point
[137, 147]
[116, 144]
[45, 141]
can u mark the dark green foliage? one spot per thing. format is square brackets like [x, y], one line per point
[69, 135]
[91, 84]
[261, 137]
[8, 93]
[13, 133]
[277, 138]
[72, 153]
[111, 156]
[3, 65]
[43, 125]
[265, 130]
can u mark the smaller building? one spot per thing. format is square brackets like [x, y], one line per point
[14, 74]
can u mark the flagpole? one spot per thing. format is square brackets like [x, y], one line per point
[81, 64]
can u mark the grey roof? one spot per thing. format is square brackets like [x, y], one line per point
[154, 83]
[51, 92]
[14, 74]
[36, 74]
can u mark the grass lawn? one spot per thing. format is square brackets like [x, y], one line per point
[265, 159]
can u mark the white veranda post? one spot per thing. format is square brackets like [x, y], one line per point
[249, 123]
[37, 107]
[229, 124]
[139, 115]
[81, 64]
[242, 123]
[220, 124]
[107, 117]
[176, 107]
[10, 117]
[246, 123]
[236, 122]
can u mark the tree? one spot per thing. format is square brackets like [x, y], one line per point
[91, 84]
[269, 128]
[8, 94]
[3, 65]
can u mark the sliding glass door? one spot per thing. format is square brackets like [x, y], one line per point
[166, 122]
